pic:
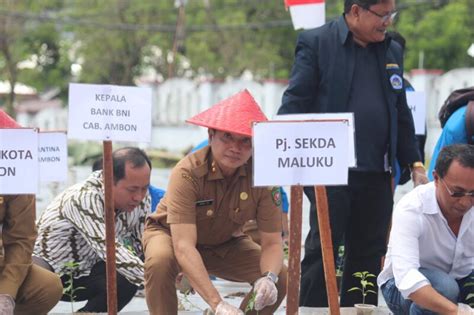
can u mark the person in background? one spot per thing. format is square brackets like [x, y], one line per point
[430, 258]
[25, 289]
[197, 228]
[454, 131]
[350, 65]
[75, 223]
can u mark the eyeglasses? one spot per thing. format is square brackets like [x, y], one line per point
[457, 194]
[389, 16]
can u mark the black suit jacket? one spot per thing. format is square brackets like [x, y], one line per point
[321, 81]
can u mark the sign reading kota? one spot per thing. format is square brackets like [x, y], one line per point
[18, 161]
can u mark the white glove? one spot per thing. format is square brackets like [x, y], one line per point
[7, 304]
[266, 293]
[464, 309]
[224, 308]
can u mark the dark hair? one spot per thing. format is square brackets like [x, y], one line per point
[137, 157]
[98, 164]
[396, 36]
[462, 153]
[362, 3]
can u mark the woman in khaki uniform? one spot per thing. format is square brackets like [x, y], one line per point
[197, 226]
[24, 288]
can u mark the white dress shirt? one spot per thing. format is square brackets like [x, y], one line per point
[421, 237]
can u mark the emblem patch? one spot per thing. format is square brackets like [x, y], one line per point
[276, 196]
[396, 81]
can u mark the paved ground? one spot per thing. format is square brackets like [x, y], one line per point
[193, 304]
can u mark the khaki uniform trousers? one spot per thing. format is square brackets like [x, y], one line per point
[236, 260]
[39, 292]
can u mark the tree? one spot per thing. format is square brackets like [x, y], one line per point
[27, 40]
[441, 33]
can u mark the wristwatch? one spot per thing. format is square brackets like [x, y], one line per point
[417, 164]
[270, 275]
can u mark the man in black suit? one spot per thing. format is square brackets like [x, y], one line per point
[349, 65]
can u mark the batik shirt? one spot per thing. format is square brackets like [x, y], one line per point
[72, 229]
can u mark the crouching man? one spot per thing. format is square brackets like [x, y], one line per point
[197, 226]
[430, 258]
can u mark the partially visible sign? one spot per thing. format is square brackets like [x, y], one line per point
[53, 156]
[349, 117]
[300, 153]
[109, 112]
[417, 104]
[18, 161]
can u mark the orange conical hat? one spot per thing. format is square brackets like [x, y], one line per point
[234, 114]
[6, 121]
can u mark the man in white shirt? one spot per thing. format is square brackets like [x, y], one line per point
[430, 256]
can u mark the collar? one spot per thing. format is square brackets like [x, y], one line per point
[343, 29]
[431, 206]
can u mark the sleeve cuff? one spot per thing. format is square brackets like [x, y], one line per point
[411, 282]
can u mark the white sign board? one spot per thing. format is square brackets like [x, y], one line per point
[109, 112]
[52, 156]
[417, 104]
[300, 153]
[18, 161]
[331, 116]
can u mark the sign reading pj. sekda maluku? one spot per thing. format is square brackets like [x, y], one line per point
[301, 153]
[18, 161]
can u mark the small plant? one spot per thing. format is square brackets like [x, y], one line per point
[470, 296]
[251, 304]
[186, 300]
[364, 284]
[69, 289]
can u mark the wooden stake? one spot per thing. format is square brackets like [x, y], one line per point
[327, 249]
[108, 175]
[294, 254]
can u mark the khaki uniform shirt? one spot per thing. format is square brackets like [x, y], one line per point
[17, 215]
[199, 194]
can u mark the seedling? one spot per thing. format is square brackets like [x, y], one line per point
[251, 304]
[69, 289]
[364, 284]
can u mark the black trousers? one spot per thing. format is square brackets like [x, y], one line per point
[359, 215]
[94, 290]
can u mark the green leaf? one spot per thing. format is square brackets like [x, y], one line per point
[354, 289]
[371, 291]
[470, 296]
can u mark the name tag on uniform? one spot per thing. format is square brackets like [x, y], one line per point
[207, 202]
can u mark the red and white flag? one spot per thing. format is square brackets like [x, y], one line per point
[307, 14]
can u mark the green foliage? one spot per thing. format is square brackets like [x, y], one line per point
[69, 289]
[117, 41]
[442, 33]
[364, 284]
[251, 303]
